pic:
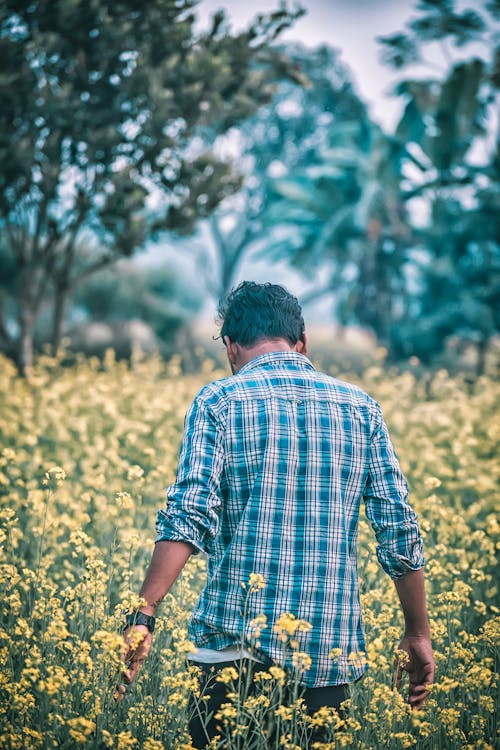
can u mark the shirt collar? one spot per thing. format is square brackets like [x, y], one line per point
[270, 359]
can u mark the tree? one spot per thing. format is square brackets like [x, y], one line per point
[454, 178]
[339, 210]
[102, 109]
[279, 137]
[154, 295]
[352, 208]
[344, 213]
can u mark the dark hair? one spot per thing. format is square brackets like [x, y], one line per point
[254, 311]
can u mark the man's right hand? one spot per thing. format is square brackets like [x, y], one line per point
[420, 667]
[416, 641]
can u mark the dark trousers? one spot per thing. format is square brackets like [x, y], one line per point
[202, 723]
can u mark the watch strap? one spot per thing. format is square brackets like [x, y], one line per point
[140, 618]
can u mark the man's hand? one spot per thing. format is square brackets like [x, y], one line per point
[420, 668]
[167, 561]
[416, 642]
[136, 647]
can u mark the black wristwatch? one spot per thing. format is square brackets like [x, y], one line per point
[139, 618]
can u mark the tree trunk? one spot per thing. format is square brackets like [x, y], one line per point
[29, 308]
[25, 344]
[61, 297]
[5, 337]
[482, 350]
[228, 273]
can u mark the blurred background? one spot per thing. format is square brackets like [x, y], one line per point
[152, 156]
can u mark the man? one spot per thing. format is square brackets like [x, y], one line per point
[274, 463]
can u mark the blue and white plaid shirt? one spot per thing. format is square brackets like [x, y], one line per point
[273, 466]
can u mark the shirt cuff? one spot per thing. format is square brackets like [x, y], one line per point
[174, 529]
[399, 565]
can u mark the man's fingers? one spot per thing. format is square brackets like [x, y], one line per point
[418, 701]
[399, 676]
[127, 676]
[418, 693]
[420, 690]
[120, 690]
[427, 676]
[136, 646]
[130, 673]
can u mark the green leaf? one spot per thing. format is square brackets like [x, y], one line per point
[343, 158]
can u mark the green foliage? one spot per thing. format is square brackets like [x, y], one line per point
[344, 212]
[439, 21]
[447, 126]
[280, 137]
[407, 223]
[103, 106]
[156, 296]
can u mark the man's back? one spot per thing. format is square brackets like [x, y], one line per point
[284, 455]
[273, 466]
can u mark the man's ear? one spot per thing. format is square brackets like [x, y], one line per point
[230, 349]
[301, 345]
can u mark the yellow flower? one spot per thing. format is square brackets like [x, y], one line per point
[356, 659]
[135, 472]
[227, 675]
[81, 728]
[57, 679]
[151, 744]
[256, 702]
[278, 673]
[402, 657]
[262, 677]
[335, 654]
[284, 712]
[55, 475]
[255, 582]
[126, 741]
[432, 482]
[301, 661]
[288, 625]
[226, 712]
[256, 626]
[404, 738]
[325, 717]
[124, 500]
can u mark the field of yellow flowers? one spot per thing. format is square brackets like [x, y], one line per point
[86, 452]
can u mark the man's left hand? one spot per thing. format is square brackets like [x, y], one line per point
[137, 645]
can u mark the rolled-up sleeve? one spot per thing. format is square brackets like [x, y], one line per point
[193, 501]
[395, 523]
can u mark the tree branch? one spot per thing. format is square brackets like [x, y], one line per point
[103, 262]
[4, 333]
[217, 234]
[41, 215]
[315, 294]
